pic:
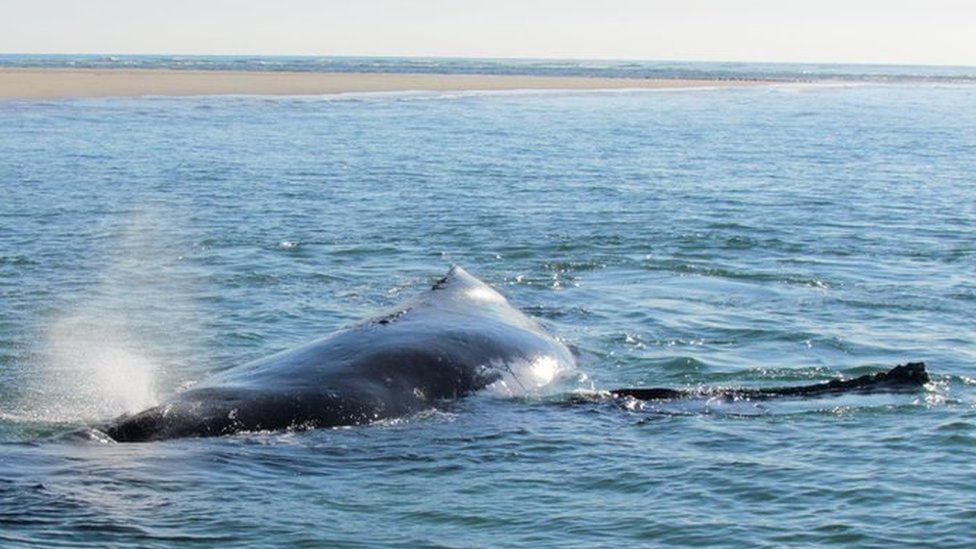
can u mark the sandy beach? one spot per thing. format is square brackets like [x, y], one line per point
[53, 83]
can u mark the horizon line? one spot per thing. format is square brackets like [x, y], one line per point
[504, 58]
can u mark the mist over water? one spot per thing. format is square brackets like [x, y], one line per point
[713, 238]
[96, 371]
[101, 351]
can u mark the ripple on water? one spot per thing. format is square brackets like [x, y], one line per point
[742, 237]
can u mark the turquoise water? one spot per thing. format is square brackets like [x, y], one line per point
[738, 237]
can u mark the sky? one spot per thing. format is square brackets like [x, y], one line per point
[941, 32]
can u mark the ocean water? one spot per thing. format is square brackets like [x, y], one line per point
[784, 72]
[728, 237]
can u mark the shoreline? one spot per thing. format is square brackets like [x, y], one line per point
[61, 83]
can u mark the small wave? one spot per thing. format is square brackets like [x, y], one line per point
[682, 364]
[404, 96]
[16, 261]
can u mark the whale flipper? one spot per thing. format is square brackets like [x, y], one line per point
[905, 377]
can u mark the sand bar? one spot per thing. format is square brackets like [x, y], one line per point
[54, 83]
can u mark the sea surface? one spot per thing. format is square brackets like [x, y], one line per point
[782, 72]
[761, 236]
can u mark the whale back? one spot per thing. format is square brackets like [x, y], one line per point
[451, 340]
[459, 294]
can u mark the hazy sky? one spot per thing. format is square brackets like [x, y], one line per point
[892, 31]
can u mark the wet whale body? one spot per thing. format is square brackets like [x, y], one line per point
[456, 338]
[901, 378]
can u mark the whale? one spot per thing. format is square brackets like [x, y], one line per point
[456, 338]
[908, 377]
